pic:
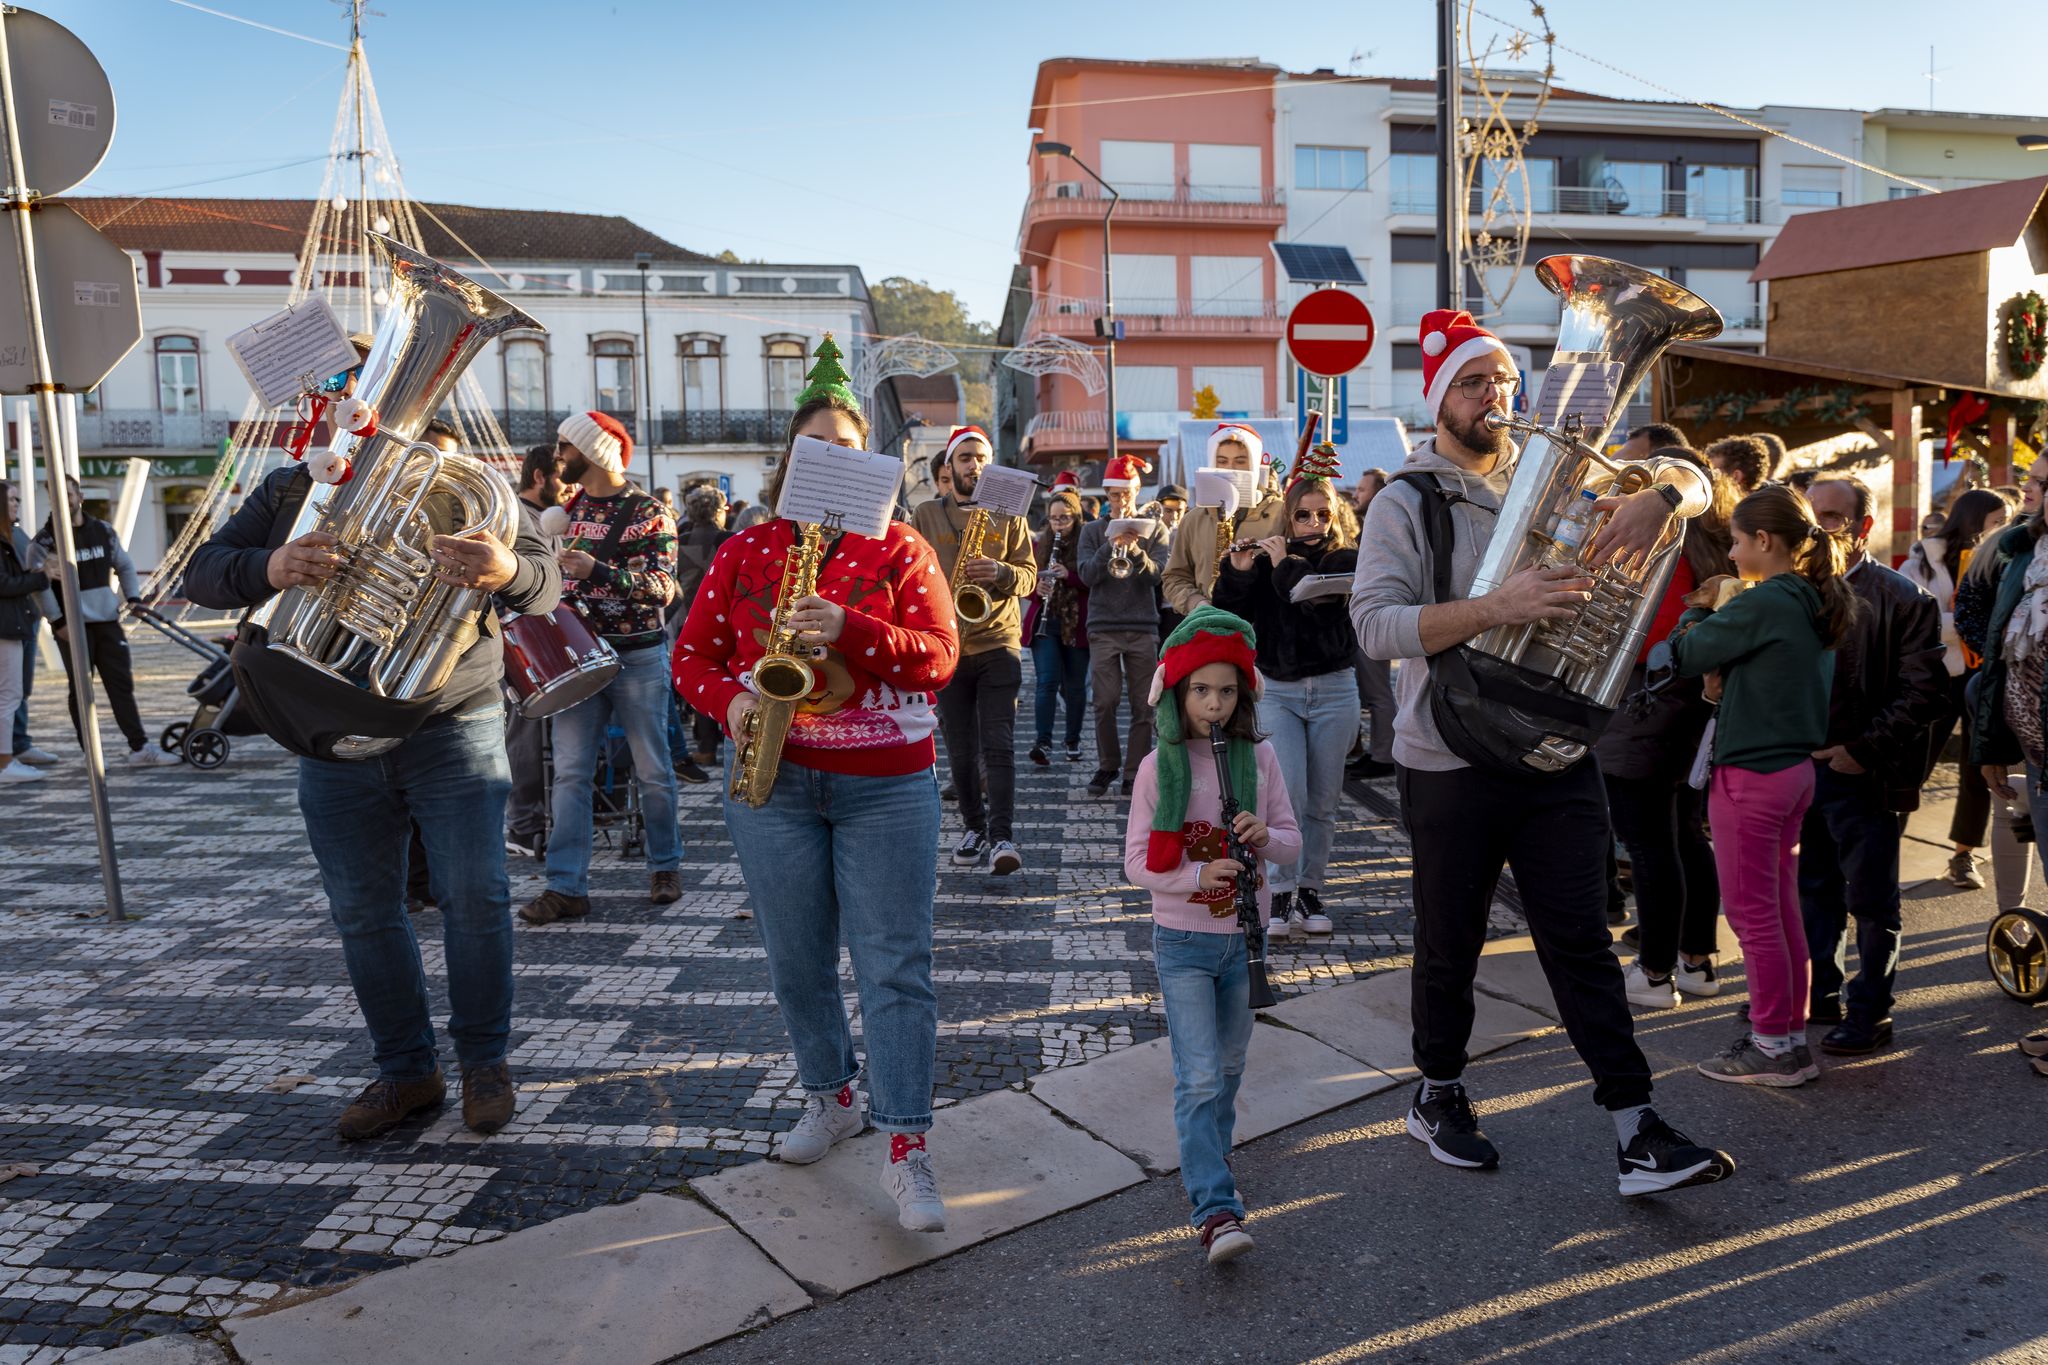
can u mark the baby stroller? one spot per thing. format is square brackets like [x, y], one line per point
[614, 795]
[203, 740]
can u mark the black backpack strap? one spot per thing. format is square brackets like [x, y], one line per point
[1437, 529]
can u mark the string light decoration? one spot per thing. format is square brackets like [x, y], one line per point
[1044, 354]
[911, 356]
[1493, 176]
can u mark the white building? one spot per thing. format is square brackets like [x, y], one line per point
[705, 369]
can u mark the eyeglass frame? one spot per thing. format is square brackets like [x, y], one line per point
[1469, 387]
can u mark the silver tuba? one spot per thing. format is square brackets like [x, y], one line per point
[1540, 694]
[373, 643]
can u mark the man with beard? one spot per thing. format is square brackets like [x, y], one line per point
[1466, 822]
[1191, 564]
[618, 562]
[1123, 625]
[540, 487]
[978, 708]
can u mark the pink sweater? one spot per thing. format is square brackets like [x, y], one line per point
[1178, 902]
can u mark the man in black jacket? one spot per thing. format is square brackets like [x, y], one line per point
[449, 777]
[1889, 688]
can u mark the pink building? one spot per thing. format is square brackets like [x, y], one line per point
[1188, 146]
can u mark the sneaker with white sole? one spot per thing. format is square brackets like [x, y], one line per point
[1965, 872]
[1655, 993]
[149, 756]
[18, 771]
[1696, 978]
[1744, 1063]
[1313, 920]
[1004, 858]
[1286, 920]
[36, 757]
[827, 1119]
[1660, 1158]
[1224, 1238]
[1446, 1122]
[972, 849]
[910, 1181]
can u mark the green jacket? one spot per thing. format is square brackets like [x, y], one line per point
[1776, 672]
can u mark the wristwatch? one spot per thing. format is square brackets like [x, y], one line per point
[1669, 493]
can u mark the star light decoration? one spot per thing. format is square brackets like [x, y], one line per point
[1494, 177]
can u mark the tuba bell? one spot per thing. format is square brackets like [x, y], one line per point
[1533, 698]
[346, 668]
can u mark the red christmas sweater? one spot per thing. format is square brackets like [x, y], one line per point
[872, 712]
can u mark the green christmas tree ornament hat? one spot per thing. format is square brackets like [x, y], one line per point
[828, 378]
[1209, 635]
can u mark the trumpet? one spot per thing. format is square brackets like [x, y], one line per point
[782, 676]
[1120, 565]
[971, 602]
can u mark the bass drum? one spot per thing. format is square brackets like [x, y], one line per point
[554, 661]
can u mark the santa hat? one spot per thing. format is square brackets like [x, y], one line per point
[1208, 635]
[1125, 471]
[1449, 339]
[967, 434]
[1243, 435]
[600, 438]
[1066, 478]
[1318, 463]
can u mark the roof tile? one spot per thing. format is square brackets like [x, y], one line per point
[1955, 223]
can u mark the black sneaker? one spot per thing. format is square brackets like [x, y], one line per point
[1130, 784]
[972, 849]
[1368, 770]
[1661, 1158]
[1445, 1121]
[1856, 1035]
[688, 771]
[1039, 757]
[1098, 785]
[1073, 753]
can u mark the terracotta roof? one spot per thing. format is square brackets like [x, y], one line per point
[278, 226]
[1957, 223]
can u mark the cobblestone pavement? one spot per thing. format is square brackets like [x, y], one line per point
[173, 1082]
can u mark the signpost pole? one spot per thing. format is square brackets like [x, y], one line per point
[21, 202]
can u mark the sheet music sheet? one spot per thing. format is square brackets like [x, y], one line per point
[1584, 389]
[1138, 526]
[1208, 494]
[1321, 585]
[840, 488]
[289, 353]
[1005, 491]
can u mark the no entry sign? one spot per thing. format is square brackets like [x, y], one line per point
[1330, 332]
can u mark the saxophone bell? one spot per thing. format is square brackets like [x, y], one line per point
[972, 603]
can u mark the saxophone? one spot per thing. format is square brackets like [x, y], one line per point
[783, 677]
[971, 602]
[1226, 537]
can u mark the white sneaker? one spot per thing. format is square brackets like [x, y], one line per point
[19, 771]
[1004, 858]
[1641, 990]
[1309, 905]
[149, 756]
[35, 757]
[1696, 980]
[911, 1183]
[827, 1119]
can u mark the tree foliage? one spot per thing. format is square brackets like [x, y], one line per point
[905, 306]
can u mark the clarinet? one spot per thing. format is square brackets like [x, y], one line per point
[1248, 917]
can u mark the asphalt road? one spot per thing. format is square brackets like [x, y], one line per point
[1892, 1212]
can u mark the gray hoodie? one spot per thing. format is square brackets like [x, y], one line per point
[1396, 578]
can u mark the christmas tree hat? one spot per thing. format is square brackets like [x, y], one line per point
[1209, 635]
[828, 378]
[1318, 464]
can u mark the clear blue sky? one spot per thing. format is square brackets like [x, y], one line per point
[888, 135]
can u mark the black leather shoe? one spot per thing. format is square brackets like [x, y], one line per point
[1825, 1012]
[1857, 1035]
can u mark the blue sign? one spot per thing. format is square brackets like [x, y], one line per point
[1337, 425]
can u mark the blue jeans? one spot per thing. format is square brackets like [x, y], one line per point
[832, 852]
[1207, 992]
[1062, 676]
[638, 699]
[1311, 722]
[21, 742]
[449, 779]
[1849, 867]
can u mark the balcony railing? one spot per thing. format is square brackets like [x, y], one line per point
[529, 426]
[1066, 315]
[1225, 203]
[146, 429]
[724, 427]
[1605, 200]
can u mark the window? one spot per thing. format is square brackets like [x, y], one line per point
[785, 360]
[1811, 187]
[1223, 173]
[1412, 181]
[1147, 388]
[1541, 189]
[181, 502]
[1329, 168]
[1635, 188]
[616, 392]
[177, 375]
[1145, 284]
[1233, 286]
[1901, 192]
[526, 374]
[1239, 388]
[703, 373]
[1721, 194]
[1138, 170]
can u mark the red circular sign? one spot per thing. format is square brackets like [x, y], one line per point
[1330, 332]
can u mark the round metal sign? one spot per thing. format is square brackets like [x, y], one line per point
[63, 103]
[91, 310]
[1330, 332]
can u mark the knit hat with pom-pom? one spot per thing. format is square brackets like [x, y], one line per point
[1209, 635]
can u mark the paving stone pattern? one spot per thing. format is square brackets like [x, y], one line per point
[175, 1080]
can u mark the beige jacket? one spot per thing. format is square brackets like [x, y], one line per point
[941, 522]
[1191, 563]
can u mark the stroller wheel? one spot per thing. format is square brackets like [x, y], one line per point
[173, 738]
[2017, 950]
[206, 748]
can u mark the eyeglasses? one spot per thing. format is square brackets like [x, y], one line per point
[1311, 514]
[1833, 521]
[1475, 385]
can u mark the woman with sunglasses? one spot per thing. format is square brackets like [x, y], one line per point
[1309, 704]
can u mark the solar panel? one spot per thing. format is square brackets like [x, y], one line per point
[1309, 264]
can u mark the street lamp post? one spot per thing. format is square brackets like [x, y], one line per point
[645, 261]
[1107, 327]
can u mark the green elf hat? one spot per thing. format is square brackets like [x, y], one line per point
[828, 378]
[1209, 635]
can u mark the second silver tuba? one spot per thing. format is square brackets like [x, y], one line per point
[1533, 698]
[346, 668]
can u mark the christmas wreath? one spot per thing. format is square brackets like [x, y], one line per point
[2026, 334]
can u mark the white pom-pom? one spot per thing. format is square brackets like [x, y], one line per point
[355, 417]
[328, 467]
[1434, 343]
[554, 521]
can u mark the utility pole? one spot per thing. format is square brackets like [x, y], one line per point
[1450, 210]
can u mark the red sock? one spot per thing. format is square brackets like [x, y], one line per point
[903, 1144]
[845, 1097]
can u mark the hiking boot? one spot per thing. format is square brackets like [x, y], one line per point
[384, 1104]
[552, 905]
[827, 1119]
[1224, 1238]
[488, 1098]
[910, 1181]
[665, 888]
